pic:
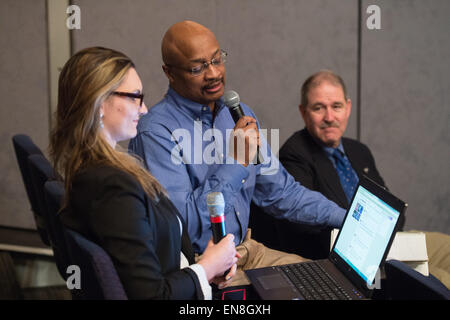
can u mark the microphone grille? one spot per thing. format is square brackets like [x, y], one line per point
[231, 99]
[215, 203]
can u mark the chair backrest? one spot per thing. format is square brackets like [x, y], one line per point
[25, 147]
[405, 283]
[99, 279]
[54, 194]
[41, 171]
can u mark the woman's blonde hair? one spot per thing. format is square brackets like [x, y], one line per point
[86, 80]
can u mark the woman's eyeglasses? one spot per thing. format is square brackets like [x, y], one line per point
[139, 96]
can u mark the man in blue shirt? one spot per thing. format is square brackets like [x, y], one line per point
[185, 142]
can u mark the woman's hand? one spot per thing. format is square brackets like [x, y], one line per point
[218, 258]
[225, 281]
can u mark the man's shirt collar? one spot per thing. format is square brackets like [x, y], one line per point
[330, 150]
[195, 109]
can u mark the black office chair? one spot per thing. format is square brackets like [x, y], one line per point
[25, 147]
[42, 171]
[99, 279]
[54, 194]
[405, 283]
[263, 226]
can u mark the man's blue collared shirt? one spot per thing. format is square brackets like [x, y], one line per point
[186, 151]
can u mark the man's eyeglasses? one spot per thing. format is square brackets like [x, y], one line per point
[199, 69]
[131, 95]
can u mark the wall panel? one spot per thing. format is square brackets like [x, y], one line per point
[405, 106]
[25, 104]
[273, 46]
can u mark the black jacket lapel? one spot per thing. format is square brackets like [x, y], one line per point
[327, 171]
[186, 244]
[355, 159]
[331, 177]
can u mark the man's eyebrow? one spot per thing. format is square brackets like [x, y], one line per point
[201, 60]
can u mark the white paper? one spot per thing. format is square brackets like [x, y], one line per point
[408, 247]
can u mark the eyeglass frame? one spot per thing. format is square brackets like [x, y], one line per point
[130, 95]
[204, 65]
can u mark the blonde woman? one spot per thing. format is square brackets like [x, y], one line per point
[110, 198]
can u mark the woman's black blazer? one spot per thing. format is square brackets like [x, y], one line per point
[142, 235]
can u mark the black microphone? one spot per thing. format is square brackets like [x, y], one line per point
[216, 207]
[232, 101]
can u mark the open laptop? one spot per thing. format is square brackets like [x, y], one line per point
[358, 253]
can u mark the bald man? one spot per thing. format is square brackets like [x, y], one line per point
[184, 141]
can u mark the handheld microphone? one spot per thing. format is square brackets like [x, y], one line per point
[216, 207]
[232, 101]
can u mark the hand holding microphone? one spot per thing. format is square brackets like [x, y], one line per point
[220, 255]
[245, 133]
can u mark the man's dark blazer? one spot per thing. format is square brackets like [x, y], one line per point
[308, 163]
[142, 235]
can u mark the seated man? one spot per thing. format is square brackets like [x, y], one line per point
[320, 158]
[193, 105]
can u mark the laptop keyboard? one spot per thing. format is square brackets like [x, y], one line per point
[313, 282]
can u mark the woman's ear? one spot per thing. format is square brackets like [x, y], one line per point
[102, 110]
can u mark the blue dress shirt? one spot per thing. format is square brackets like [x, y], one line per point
[190, 160]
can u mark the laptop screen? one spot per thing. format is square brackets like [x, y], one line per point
[366, 233]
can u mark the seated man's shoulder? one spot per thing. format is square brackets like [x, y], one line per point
[247, 110]
[299, 142]
[160, 116]
[157, 113]
[353, 143]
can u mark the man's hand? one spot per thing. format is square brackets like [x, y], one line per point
[244, 140]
